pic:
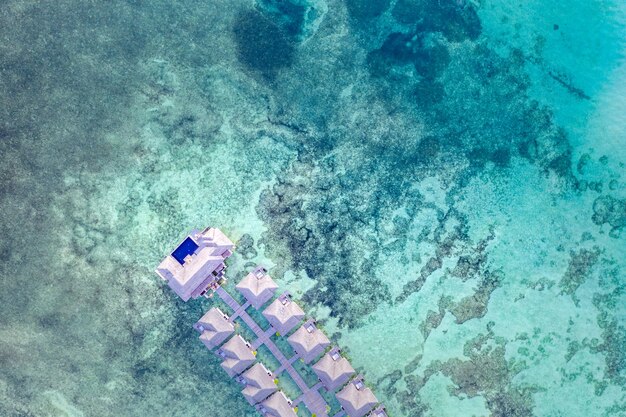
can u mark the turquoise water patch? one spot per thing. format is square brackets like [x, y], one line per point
[440, 183]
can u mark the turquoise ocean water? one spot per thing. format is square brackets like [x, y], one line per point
[441, 182]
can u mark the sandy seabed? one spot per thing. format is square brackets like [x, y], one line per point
[442, 183]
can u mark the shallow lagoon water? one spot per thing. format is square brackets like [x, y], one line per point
[442, 183]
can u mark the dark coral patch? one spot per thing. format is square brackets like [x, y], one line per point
[553, 151]
[428, 57]
[456, 22]
[487, 373]
[287, 14]
[400, 47]
[493, 120]
[475, 305]
[431, 60]
[263, 46]
[578, 270]
[501, 157]
[427, 93]
[608, 209]
[434, 318]
[483, 371]
[366, 9]
[428, 148]
[317, 227]
[408, 11]
[396, 50]
[478, 157]
[613, 332]
[245, 247]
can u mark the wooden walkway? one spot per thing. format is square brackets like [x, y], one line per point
[283, 367]
[311, 397]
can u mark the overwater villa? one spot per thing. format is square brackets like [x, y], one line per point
[284, 314]
[214, 328]
[308, 341]
[258, 287]
[333, 370]
[237, 355]
[196, 267]
[259, 383]
[196, 263]
[356, 399]
[278, 405]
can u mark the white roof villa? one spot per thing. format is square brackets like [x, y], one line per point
[197, 266]
[237, 356]
[258, 287]
[333, 370]
[378, 412]
[283, 314]
[356, 399]
[308, 341]
[214, 328]
[196, 263]
[259, 383]
[278, 405]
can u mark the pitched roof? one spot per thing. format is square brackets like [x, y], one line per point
[277, 406]
[378, 412]
[283, 314]
[308, 341]
[258, 287]
[333, 370]
[213, 236]
[214, 328]
[189, 269]
[259, 383]
[237, 355]
[356, 399]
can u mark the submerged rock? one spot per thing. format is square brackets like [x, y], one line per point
[608, 209]
[366, 9]
[299, 19]
[578, 270]
[245, 247]
[263, 46]
[455, 21]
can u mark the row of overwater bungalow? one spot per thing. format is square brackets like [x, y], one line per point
[206, 251]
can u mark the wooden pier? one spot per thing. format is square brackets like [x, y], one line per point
[197, 266]
[310, 396]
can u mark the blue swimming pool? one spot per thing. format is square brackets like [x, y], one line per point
[188, 247]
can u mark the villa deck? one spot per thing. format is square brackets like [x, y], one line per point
[311, 398]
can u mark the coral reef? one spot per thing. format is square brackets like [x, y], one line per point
[423, 174]
[608, 209]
